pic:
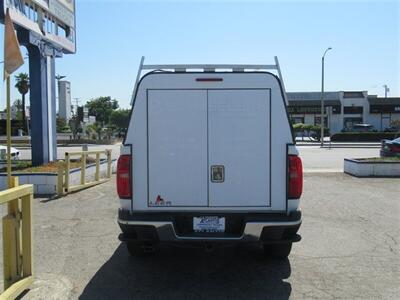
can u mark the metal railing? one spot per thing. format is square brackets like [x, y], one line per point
[17, 239]
[64, 185]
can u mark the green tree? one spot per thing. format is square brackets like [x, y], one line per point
[75, 125]
[109, 131]
[102, 108]
[60, 124]
[18, 105]
[298, 128]
[120, 118]
[19, 115]
[22, 84]
[95, 127]
[88, 131]
[315, 132]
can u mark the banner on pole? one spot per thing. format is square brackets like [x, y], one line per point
[12, 53]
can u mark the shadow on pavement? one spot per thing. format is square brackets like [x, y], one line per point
[191, 273]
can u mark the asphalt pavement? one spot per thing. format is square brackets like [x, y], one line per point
[321, 160]
[350, 250]
[350, 246]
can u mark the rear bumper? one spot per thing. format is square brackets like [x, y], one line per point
[176, 227]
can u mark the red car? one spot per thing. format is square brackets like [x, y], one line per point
[390, 148]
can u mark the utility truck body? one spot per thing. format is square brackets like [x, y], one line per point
[209, 157]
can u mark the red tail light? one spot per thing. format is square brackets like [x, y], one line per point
[295, 177]
[394, 148]
[124, 178]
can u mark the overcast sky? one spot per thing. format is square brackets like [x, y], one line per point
[113, 35]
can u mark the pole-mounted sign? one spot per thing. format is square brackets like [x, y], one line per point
[52, 20]
[47, 29]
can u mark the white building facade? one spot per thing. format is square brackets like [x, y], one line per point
[64, 100]
[343, 109]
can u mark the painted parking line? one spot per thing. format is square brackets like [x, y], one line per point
[323, 170]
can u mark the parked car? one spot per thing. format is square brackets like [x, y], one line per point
[3, 153]
[360, 128]
[390, 148]
[392, 129]
[209, 158]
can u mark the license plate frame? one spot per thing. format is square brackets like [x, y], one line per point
[209, 224]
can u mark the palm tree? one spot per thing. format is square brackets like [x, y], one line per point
[22, 85]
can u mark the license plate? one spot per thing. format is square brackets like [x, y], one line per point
[208, 224]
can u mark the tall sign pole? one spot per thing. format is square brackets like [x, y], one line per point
[8, 105]
[12, 61]
[322, 103]
[322, 98]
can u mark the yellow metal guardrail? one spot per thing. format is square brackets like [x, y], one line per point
[17, 239]
[64, 183]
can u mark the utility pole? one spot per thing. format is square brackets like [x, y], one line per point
[77, 101]
[387, 90]
[322, 98]
[76, 122]
[77, 104]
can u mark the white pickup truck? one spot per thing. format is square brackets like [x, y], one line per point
[208, 158]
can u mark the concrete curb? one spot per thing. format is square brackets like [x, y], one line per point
[340, 145]
[365, 168]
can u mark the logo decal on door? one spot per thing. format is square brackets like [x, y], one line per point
[160, 202]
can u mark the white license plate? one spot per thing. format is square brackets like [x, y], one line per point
[208, 224]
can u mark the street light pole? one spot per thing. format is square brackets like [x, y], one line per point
[322, 97]
[386, 90]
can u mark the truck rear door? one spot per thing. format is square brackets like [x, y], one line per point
[209, 148]
[177, 148]
[239, 147]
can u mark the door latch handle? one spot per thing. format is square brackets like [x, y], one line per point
[217, 174]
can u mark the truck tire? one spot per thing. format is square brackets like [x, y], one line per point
[279, 251]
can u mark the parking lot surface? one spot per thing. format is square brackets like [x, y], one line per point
[316, 159]
[350, 249]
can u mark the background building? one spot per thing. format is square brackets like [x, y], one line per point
[382, 111]
[343, 109]
[64, 100]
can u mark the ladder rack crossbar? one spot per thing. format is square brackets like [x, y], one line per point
[209, 66]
